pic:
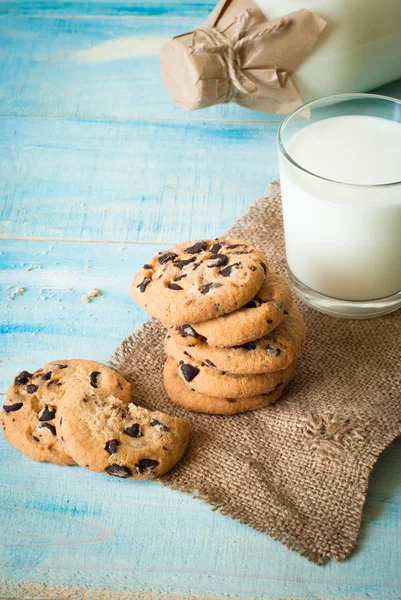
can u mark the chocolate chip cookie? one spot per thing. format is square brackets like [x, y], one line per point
[30, 411]
[207, 379]
[256, 319]
[112, 435]
[272, 352]
[182, 395]
[196, 281]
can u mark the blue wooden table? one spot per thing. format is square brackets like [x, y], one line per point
[98, 171]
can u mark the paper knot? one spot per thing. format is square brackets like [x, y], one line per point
[214, 41]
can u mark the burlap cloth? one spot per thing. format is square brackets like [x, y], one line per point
[298, 470]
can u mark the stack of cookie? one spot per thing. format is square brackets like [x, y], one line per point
[233, 332]
[81, 412]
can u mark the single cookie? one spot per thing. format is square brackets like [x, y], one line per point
[104, 433]
[257, 318]
[207, 379]
[181, 395]
[30, 411]
[196, 281]
[273, 352]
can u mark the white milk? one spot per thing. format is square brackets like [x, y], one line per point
[359, 49]
[344, 241]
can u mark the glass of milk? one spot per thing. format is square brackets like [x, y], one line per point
[340, 172]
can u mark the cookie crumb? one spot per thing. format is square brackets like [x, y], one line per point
[85, 299]
[93, 293]
[18, 292]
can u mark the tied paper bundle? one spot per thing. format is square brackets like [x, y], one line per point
[239, 56]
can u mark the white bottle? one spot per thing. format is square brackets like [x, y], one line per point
[359, 50]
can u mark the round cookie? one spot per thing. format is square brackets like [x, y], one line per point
[30, 411]
[209, 380]
[273, 352]
[104, 433]
[181, 395]
[256, 319]
[196, 281]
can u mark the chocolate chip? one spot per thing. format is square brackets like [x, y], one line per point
[187, 331]
[12, 407]
[196, 248]
[144, 284]
[111, 446]
[145, 465]
[61, 366]
[181, 362]
[156, 423]
[251, 304]
[31, 388]
[253, 268]
[48, 426]
[146, 266]
[93, 378]
[35, 438]
[165, 258]
[186, 353]
[118, 471]
[272, 351]
[180, 277]
[183, 263]
[22, 378]
[286, 312]
[47, 414]
[218, 260]
[215, 248]
[174, 286]
[262, 264]
[189, 372]
[227, 271]
[209, 286]
[209, 362]
[269, 321]
[247, 346]
[134, 430]
[232, 246]
[47, 376]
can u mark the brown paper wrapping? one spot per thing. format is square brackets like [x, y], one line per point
[197, 79]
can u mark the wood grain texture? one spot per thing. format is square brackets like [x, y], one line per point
[137, 180]
[177, 9]
[92, 148]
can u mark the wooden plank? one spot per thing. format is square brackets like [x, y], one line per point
[51, 308]
[94, 68]
[143, 181]
[62, 526]
[130, 8]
